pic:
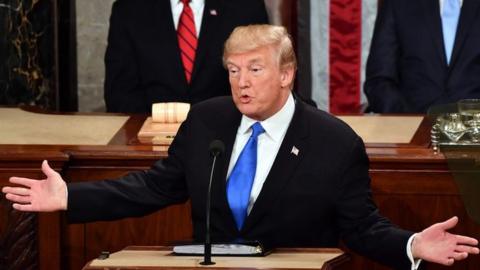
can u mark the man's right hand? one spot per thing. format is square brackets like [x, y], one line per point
[32, 195]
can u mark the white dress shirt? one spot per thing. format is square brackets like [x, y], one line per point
[197, 7]
[268, 144]
[415, 262]
[441, 5]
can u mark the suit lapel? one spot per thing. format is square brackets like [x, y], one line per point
[467, 16]
[227, 134]
[209, 29]
[168, 34]
[283, 167]
[431, 10]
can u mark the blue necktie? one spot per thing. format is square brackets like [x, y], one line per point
[241, 178]
[450, 15]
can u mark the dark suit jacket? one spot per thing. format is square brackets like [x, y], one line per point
[407, 69]
[309, 200]
[142, 60]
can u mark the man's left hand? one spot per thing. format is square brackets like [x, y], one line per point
[435, 244]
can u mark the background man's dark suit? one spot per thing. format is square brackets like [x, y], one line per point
[407, 69]
[143, 62]
[312, 199]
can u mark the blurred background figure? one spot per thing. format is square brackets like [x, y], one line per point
[166, 51]
[57, 59]
[423, 53]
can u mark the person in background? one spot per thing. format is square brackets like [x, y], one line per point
[170, 51]
[423, 53]
[291, 175]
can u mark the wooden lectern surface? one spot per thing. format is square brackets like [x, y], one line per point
[384, 129]
[372, 129]
[22, 127]
[162, 258]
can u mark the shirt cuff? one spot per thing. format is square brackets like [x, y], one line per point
[415, 262]
[66, 197]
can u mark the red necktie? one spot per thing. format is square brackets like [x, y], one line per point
[187, 39]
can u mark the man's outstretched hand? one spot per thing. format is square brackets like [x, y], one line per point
[435, 244]
[34, 195]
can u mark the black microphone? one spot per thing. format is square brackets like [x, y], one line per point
[216, 148]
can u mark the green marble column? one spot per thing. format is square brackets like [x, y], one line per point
[27, 53]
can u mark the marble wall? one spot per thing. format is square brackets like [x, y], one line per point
[92, 29]
[26, 53]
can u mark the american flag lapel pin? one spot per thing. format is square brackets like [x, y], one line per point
[213, 12]
[295, 151]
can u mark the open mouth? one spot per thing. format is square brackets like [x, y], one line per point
[245, 98]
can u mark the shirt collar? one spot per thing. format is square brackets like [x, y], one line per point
[276, 125]
[194, 4]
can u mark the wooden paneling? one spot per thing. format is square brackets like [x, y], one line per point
[411, 185]
[85, 242]
[414, 200]
[28, 240]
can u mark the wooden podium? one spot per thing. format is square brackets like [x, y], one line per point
[161, 257]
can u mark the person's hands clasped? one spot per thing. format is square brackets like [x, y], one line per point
[34, 195]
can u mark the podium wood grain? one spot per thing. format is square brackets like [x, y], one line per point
[160, 258]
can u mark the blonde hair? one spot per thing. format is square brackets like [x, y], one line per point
[251, 37]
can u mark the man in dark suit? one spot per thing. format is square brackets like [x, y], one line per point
[423, 53]
[309, 188]
[143, 59]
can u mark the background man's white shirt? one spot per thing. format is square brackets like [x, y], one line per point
[197, 7]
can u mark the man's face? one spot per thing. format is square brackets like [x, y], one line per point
[259, 87]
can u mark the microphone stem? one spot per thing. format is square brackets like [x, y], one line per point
[208, 244]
